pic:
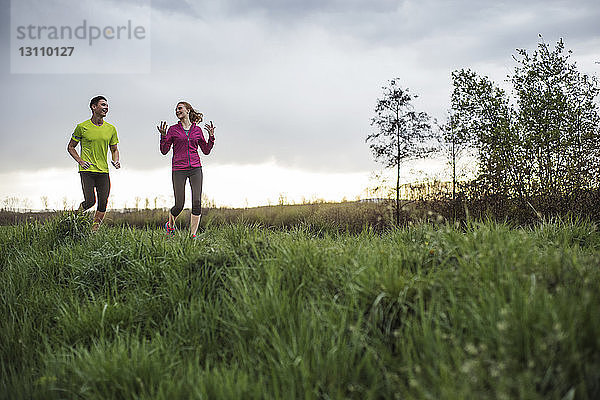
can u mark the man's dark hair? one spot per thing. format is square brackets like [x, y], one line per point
[96, 99]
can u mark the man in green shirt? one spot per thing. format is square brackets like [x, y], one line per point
[96, 136]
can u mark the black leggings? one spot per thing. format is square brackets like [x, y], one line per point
[179, 178]
[98, 180]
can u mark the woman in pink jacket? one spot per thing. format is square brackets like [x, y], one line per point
[185, 137]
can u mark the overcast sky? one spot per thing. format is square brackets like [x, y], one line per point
[290, 83]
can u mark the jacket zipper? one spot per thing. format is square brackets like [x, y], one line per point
[188, 146]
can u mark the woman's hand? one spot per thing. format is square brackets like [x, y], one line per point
[162, 128]
[210, 128]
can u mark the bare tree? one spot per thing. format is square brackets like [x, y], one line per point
[11, 203]
[401, 133]
[44, 200]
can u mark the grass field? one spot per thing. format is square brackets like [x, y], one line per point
[476, 311]
[345, 216]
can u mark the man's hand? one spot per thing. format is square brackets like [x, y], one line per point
[84, 164]
[116, 164]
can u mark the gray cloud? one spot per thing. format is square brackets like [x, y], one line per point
[291, 81]
[299, 9]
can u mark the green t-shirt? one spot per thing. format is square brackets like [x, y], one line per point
[94, 143]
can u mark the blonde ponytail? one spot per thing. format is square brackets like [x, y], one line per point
[195, 116]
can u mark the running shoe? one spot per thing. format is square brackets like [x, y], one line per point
[170, 231]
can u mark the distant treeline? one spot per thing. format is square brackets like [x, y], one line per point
[538, 149]
[533, 151]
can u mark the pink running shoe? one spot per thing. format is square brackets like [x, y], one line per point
[170, 231]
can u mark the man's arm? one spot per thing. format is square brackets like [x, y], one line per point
[73, 152]
[115, 156]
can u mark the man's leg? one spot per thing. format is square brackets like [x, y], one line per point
[87, 185]
[98, 217]
[103, 190]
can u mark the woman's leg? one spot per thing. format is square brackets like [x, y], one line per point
[196, 184]
[178, 178]
[194, 222]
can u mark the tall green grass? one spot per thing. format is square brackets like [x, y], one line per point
[477, 311]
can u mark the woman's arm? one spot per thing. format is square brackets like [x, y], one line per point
[165, 138]
[206, 146]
